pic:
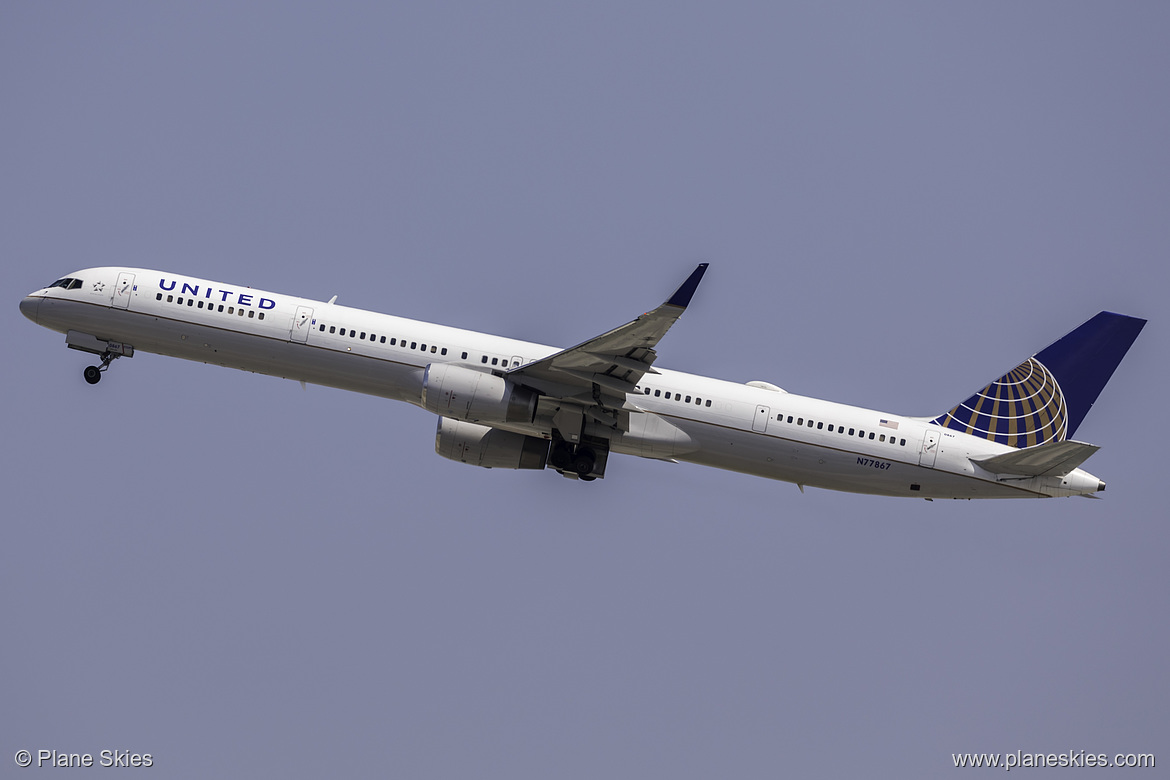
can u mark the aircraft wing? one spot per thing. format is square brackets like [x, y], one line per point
[1055, 458]
[601, 371]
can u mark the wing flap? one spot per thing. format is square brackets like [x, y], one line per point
[1054, 459]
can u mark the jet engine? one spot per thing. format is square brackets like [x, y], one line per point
[480, 445]
[466, 394]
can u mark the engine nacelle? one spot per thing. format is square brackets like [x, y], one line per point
[480, 445]
[466, 394]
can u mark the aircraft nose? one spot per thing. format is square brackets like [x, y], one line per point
[29, 306]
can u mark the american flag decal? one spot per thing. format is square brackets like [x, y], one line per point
[888, 424]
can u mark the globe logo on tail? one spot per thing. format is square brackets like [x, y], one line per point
[1022, 408]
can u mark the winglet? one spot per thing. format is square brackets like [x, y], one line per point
[682, 296]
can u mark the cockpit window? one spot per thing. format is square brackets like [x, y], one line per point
[74, 285]
[67, 283]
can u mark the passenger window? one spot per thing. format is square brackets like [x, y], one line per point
[363, 336]
[158, 297]
[647, 391]
[901, 442]
[251, 314]
[444, 352]
[422, 347]
[657, 393]
[484, 360]
[261, 316]
[688, 399]
[708, 402]
[882, 438]
[383, 340]
[200, 304]
[180, 300]
[190, 301]
[322, 327]
[830, 427]
[170, 299]
[220, 308]
[820, 426]
[851, 431]
[871, 435]
[810, 423]
[667, 395]
[789, 418]
[464, 356]
[800, 421]
[240, 312]
[698, 401]
[495, 361]
[413, 344]
[433, 348]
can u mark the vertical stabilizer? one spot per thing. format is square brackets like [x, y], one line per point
[1045, 398]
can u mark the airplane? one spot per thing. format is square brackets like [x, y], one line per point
[509, 404]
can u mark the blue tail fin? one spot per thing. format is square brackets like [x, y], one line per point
[1046, 397]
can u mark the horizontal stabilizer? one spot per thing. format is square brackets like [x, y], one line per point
[1054, 459]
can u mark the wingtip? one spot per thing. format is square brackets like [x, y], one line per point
[682, 296]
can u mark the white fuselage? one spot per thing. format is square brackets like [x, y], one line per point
[755, 430]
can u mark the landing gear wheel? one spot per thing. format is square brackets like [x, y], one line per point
[93, 374]
[584, 461]
[560, 457]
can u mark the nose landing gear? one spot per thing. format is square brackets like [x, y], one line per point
[93, 374]
[106, 350]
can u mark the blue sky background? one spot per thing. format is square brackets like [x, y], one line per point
[898, 203]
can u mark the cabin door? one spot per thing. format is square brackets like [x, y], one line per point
[123, 290]
[760, 422]
[302, 324]
[929, 449]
